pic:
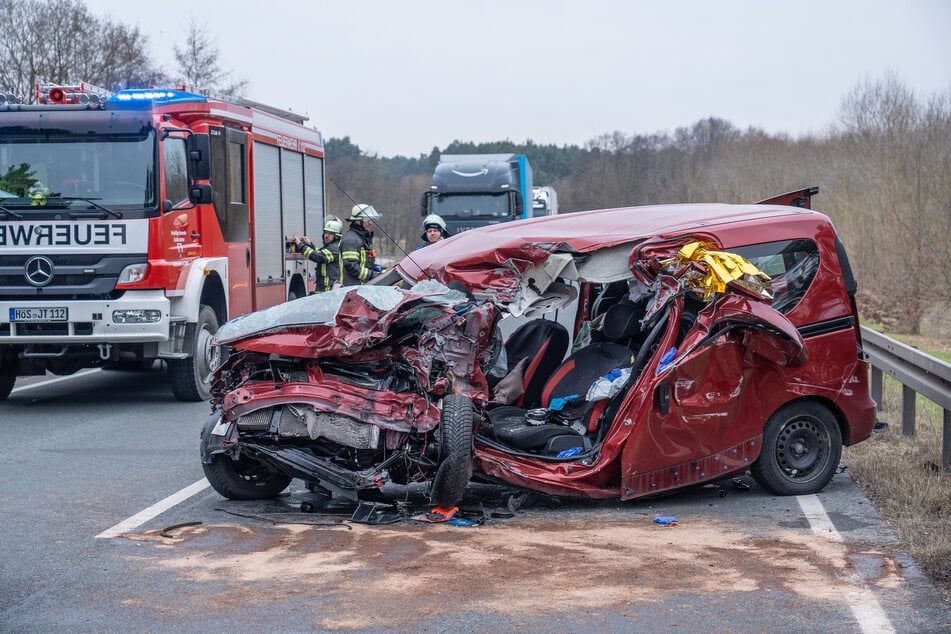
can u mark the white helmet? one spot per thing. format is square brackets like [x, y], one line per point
[433, 221]
[363, 211]
[333, 225]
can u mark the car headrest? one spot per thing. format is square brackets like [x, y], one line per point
[623, 321]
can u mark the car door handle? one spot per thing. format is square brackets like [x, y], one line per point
[663, 398]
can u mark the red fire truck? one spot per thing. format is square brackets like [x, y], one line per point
[133, 224]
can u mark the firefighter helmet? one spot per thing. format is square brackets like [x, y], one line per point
[333, 225]
[363, 211]
[433, 221]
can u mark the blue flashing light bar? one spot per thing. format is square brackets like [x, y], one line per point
[147, 97]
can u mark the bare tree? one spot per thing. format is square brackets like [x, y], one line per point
[882, 131]
[200, 62]
[60, 41]
[17, 56]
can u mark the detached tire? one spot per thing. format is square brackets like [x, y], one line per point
[191, 378]
[802, 445]
[455, 451]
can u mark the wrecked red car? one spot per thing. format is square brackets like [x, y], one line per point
[607, 354]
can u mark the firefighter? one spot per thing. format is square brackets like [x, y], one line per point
[326, 257]
[434, 230]
[356, 247]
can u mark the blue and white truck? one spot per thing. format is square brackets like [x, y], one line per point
[475, 190]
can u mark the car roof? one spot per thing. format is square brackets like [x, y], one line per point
[732, 225]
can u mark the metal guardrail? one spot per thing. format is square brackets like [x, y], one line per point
[918, 373]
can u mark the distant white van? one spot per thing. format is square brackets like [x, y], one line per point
[544, 201]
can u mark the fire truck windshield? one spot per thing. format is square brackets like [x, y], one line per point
[450, 206]
[56, 169]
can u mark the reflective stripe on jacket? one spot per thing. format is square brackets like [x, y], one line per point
[328, 263]
[356, 254]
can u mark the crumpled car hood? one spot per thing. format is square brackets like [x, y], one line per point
[339, 322]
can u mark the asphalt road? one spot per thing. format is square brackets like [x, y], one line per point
[106, 524]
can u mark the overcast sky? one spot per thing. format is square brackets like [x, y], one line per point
[400, 77]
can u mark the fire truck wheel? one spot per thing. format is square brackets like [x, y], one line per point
[455, 451]
[8, 376]
[191, 378]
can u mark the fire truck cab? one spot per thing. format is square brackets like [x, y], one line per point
[133, 224]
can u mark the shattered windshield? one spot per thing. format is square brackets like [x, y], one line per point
[323, 308]
[61, 169]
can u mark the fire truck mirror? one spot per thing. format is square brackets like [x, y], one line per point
[200, 194]
[199, 156]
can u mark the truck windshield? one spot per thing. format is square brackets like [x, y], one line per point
[451, 206]
[50, 168]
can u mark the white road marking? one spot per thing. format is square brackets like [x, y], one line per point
[156, 509]
[865, 607]
[59, 379]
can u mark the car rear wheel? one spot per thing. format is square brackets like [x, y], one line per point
[802, 445]
[455, 451]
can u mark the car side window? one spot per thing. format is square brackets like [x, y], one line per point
[790, 264]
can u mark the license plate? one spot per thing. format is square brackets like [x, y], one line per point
[37, 314]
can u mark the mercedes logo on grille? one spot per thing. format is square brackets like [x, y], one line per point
[38, 270]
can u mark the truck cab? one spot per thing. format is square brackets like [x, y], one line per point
[476, 190]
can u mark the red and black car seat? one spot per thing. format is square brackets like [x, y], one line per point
[572, 424]
[544, 343]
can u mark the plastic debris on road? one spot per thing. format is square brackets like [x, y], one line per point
[438, 514]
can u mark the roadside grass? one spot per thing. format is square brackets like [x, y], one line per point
[901, 475]
[938, 349]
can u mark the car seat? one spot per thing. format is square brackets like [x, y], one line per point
[573, 416]
[622, 322]
[544, 343]
[611, 293]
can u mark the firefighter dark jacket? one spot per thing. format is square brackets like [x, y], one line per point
[357, 254]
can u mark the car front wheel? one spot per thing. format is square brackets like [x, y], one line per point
[455, 451]
[244, 478]
[802, 445]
